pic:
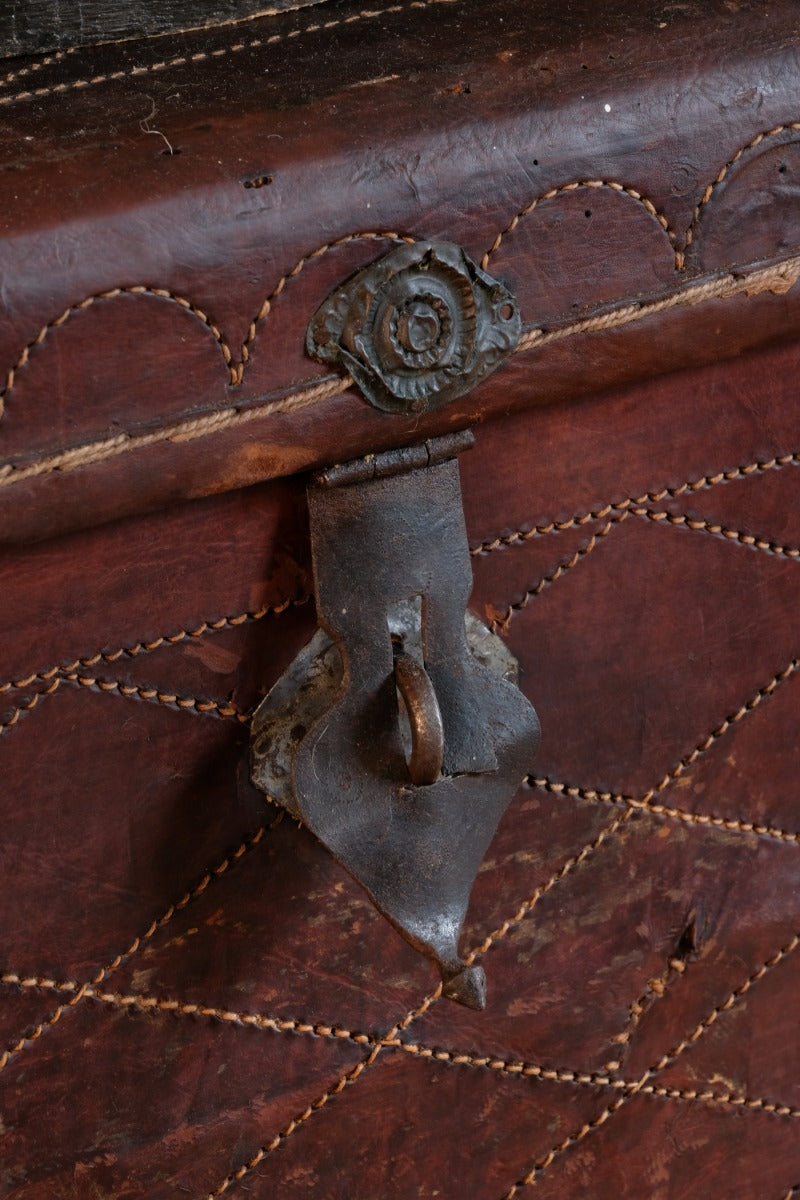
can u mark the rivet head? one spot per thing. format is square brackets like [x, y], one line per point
[418, 328]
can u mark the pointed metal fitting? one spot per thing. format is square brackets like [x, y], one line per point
[398, 735]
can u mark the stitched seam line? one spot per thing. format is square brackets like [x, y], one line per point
[792, 126]
[778, 278]
[728, 286]
[146, 647]
[648, 205]
[29, 1038]
[660, 1065]
[635, 503]
[28, 705]
[576, 184]
[501, 621]
[644, 802]
[655, 989]
[701, 483]
[699, 525]
[528, 905]
[148, 1004]
[235, 369]
[344, 1081]
[222, 52]
[527, 1070]
[661, 810]
[47, 61]
[154, 696]
[349, 1077]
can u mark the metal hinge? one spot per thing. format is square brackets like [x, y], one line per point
[398, 735]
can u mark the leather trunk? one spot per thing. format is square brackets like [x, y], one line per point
[195, 997]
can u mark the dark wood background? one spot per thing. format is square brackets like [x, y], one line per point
[32, 26]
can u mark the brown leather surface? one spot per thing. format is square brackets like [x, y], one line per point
[195, 999]
[239, 1030]
[156, 193]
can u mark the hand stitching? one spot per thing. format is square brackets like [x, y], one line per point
[659, 1066]
[28, 706]
[709, 191]
[145, 1003]
[222, 52]
[650, 208]
[235, 369]
[500, 622]
[645, 802]
[154, 696]
[699, 525]
[146, 647]
[576, 184]
[781, 275]
[700, 483]
[526, 1070]
[349, 1077]
[11, 1052]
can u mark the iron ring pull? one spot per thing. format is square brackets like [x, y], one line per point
[424, 718]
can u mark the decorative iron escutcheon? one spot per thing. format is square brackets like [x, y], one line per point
[398, 735]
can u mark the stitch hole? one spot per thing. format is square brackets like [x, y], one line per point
[536, 162]
[588, 212]
[171, 152]
[506, 312]
[259, 181]
[687, 942]
[782, 169]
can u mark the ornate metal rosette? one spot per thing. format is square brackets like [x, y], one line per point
[418, 328]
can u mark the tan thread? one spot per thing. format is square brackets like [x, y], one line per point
[182, 431]
[735, 535]
[794, 1191]
[501, 621]
[28, 706]
[654, 990]
[701, 483]
[576, 184]
[778, 278]
[635, 503]
[47, 61]
[645, 802]
[390, 1038]
[264, 310]
[527, 906]
[208, 27]
[345, 1080]
[226, 418]
[147, 1004]
[662, 1063]
[28, 1039]
[222, 52]
[614, 185]
[526, 1070]
[59, 55]
[661, 810]
[235, 369]
[792, 126]
[154, 696]
[146, 647]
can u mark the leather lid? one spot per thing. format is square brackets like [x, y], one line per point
[175, 211]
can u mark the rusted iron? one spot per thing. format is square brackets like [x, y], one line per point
[407, 795]
[418, 328]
